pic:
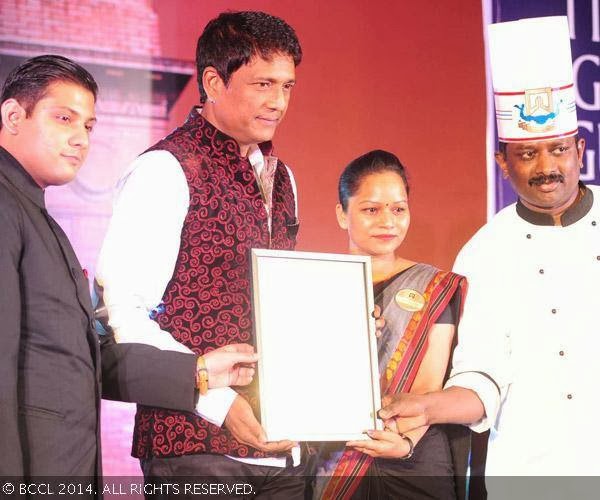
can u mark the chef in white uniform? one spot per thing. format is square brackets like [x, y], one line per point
[527, 366]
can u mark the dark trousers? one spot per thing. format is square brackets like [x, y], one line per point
[191, 476]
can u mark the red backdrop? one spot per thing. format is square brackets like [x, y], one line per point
[392, 74]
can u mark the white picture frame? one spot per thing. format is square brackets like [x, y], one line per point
[318, 368]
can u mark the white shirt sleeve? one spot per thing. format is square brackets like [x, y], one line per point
[294, 190]
[138, 257]
[481, 359]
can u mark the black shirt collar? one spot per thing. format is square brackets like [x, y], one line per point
[575, 212]
[14, 172]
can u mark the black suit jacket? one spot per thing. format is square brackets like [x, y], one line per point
[51, 373]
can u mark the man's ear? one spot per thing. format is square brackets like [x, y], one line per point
[212, 83]
[580, 150]
[501, 161]
[341, 216]
[12, 114]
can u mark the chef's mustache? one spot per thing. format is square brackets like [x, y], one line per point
[540, 179]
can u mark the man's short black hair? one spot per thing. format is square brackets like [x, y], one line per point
[230, 40]
[28, 82]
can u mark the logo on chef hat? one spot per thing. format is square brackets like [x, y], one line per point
[538, 113]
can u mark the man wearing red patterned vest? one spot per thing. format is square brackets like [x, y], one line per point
[175, 262]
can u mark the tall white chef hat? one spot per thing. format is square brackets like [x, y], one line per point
[532, 74]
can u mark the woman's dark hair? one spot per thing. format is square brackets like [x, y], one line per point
[370, 163]
[230, 40]
[29, 82]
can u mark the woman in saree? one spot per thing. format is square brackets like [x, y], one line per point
[421, 306]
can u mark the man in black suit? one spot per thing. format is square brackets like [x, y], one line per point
[51, 373]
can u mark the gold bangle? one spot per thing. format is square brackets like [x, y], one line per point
[201, 375]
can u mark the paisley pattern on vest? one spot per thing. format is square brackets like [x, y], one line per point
[207, 302]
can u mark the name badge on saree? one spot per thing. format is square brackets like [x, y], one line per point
[409, 300]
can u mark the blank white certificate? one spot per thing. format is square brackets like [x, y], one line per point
[318, 372]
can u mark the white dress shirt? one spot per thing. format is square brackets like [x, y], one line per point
[138, 256]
